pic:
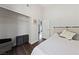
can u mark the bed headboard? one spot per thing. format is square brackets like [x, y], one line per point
[57, 29]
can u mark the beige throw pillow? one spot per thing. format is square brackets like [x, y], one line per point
[67, 34]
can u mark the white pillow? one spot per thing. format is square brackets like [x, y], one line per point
[67, 34]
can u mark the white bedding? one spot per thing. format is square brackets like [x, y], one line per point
[57, 46]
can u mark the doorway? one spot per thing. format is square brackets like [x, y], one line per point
[40, 28]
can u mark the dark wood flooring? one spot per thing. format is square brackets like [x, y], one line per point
[24, 49]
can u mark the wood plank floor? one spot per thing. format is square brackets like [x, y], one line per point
[24, 49]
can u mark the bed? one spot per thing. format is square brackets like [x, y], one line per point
[57, 45]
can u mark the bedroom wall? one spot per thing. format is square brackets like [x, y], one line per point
[12, 24]
[33, 10]
[60, 15]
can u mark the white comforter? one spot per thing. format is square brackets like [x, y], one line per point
[57, 46]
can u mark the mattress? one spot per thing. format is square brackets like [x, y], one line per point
[56, 45]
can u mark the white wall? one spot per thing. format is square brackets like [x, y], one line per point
[12, 24]
[34, 10]
[60, 15]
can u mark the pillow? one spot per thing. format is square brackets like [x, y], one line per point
[76, 37]
[59, 34]
[67, 34]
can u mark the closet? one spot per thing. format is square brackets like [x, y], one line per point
[14, 25]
